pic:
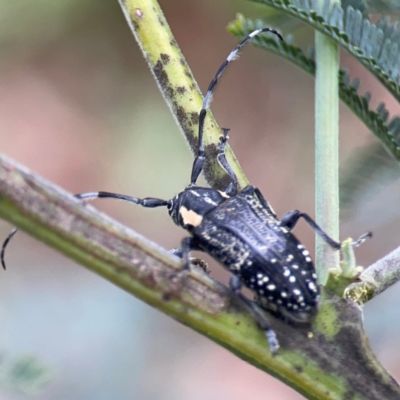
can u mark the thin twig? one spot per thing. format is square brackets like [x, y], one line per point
[376, 278]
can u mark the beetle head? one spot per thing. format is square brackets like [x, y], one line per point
[188, 207]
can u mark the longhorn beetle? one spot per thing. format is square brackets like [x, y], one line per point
[240, 230]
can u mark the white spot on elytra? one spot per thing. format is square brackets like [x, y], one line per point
[306, 252]
[292, 279]
[265, 279]
[312, 286]
[273, 260]
[314, 275]
[259, 276]
[300, 246]
[308, 259]
[286, 273]
[271, 287]
[283, 294]
[296, 291]
[210, 201]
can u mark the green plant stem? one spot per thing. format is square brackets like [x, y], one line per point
[326, 150]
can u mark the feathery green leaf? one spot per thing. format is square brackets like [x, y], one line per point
[374, 46]
[387, 133]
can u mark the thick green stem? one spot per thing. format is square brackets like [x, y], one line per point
[326, 150]
[177, 85]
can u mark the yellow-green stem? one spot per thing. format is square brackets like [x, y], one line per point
[177, 85]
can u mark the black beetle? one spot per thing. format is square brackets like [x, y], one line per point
[240, 230]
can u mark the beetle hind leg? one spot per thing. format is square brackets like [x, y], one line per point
[290, 219]
[236, 286]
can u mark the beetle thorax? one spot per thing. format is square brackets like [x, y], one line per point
[188, 208]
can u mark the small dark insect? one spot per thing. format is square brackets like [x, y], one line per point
[240, 230]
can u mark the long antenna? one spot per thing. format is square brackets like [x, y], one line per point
[148, 202]
[199, 160]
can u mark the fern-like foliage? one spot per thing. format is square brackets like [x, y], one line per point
[366, 172]
[375, 120]
[384, 6]
[375, 46]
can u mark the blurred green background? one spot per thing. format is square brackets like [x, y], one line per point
[79, 106]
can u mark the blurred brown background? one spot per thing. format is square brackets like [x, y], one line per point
[79, 106]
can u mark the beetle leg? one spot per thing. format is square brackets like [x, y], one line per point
[290, 219]
[232, 188]
[236, 286]
[176, 252]
[188, 244]
[193, 260]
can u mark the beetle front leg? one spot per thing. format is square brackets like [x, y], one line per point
[188, 244]
[236, 286]
[232, 188]
[193, 260]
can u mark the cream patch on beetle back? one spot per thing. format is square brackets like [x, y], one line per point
[190, 217]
